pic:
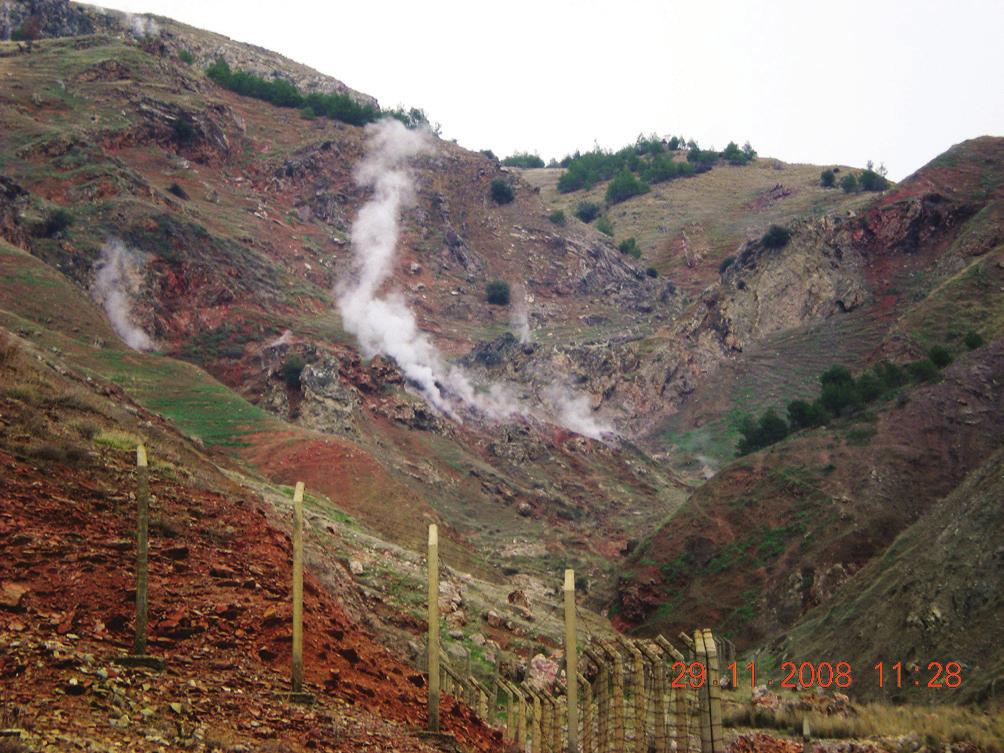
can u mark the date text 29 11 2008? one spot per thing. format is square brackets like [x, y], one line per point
[823, 675]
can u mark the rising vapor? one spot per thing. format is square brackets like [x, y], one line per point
[117, 283]
[384, 324]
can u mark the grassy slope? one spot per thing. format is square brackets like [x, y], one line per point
[717, 210]
[935, 595]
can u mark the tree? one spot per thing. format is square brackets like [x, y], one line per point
[973, 340]
[939, 356]
[827, 178]
[838, 394]
[502, 192]
[630, 247]
[870, 180]
[726, 263]
[805, 415]
[497, 293]
[776, 237]
[652, 272]
[587, 211]
[769, 429]
[734, 155]
[849, 183]
[291, 371]
[523, 159]
[624, 186]
[923, 370]
[749, 152]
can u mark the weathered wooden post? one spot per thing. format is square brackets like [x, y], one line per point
[547, 722]
[142, 544]
[712, 739]
[520, 716]
[535, 720]
[617, 736]
[638, 691]
[139, 657]
[571, 663]
[433, 641]
[602, 700]
[587, 715]
[679, 698]
[298, 588]
[657, 672]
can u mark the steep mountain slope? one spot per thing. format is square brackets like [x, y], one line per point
[934, 595]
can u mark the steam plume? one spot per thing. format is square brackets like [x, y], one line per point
[118, 282]
[384, 324]
[519, 322]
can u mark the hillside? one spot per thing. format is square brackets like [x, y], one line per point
[264, 293]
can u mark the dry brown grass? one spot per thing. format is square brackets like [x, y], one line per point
[937, 725]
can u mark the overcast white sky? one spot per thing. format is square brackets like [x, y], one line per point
[803, 80]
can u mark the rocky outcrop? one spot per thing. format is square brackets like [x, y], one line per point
[43, 18]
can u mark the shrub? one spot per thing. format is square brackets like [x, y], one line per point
[769, 429]
[870, 387]
[624, 186]
[870, 180]
[291, 370]
[776, 237]
[702, 159]
[55, 222]
[523, 159]
[839, 399]
[652, 272]
[178, 191]
[648, 145]
[836, 374]
[307, 113]
[8, 350]
[497, 293]
[664, 168]
[734, 155]
[186, 57]
[749, 152]
[849, 183]
[939, 356]
[587, 211]
[502, 192]
[605, 226]
[630, 247]
[973, 340]
[413, 117]
[726, 263]
[182, 129]
[892, 376]
[806, 415]
[557, 217]
[827, 179]
[923, 370]
[489, 154]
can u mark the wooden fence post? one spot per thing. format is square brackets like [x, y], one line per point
[681, 725]
[571, 663]
[587, 714]
[142, 544]
[298, 588]
[617, 736]
[433, 638]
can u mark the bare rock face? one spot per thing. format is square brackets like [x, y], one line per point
[328, 404]
[43, 18]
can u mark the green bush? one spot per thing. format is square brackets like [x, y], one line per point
[727, 262]
[291, 370]
[497, 293]
[307, 113]
[870, 180]
[523, 159]
[652, 272]
[839, 393]
[849, 183]
[776, 237]
[630, 247]
[827, 179]
[973, 340]
[282, 93]
[734, 155]
[624, 186]
[663, 168]
[892, 376]
[870, 387]
[769, 429]
[489, 154]
[939, 356]
[55, 222]
[587, 211]
[186, 57]
[557, 217]
[182, 129]
[805, 415]
[502, 192]
[703, 160]
[605, 226]
[923, 370]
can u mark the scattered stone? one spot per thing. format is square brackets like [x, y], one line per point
[11, 596]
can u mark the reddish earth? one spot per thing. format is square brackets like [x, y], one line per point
[219, 616]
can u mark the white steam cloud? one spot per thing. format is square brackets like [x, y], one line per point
[118, 281]
[385, 325]
[519, 321]
[141, 26]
